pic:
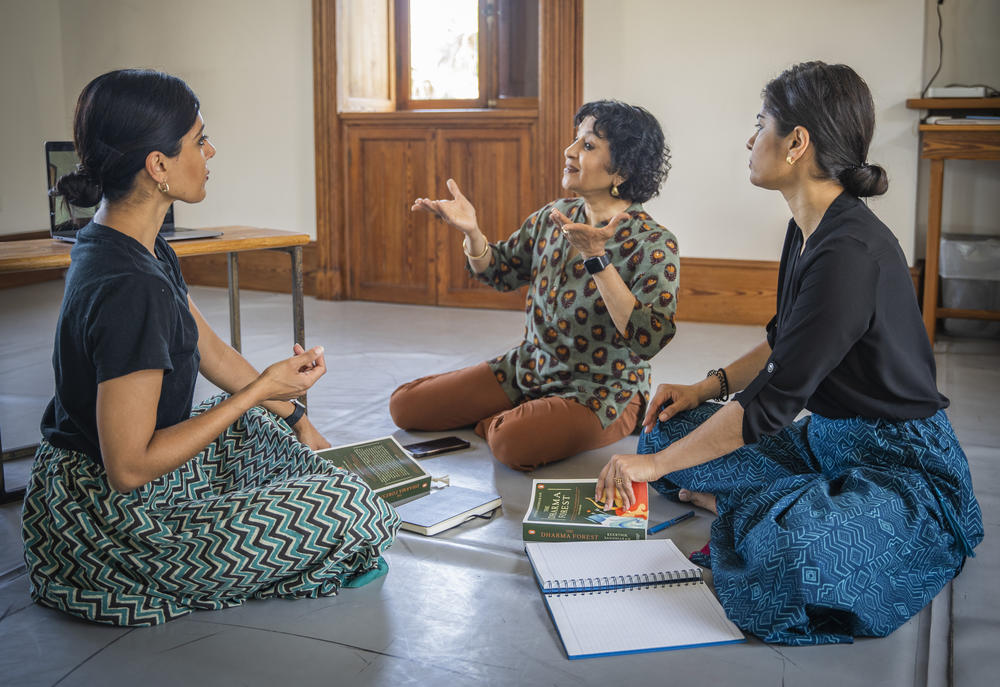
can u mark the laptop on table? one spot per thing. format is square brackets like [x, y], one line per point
[65, 219]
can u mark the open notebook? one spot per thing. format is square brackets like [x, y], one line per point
[622, 597]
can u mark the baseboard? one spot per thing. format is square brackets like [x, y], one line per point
[727, 291]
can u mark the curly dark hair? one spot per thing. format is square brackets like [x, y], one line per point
[639, 151]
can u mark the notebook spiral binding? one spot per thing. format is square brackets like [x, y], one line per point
[618, 583]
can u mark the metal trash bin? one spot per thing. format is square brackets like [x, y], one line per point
[970, 280]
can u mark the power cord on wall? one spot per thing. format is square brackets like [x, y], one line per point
[940, 52]
[990, 90]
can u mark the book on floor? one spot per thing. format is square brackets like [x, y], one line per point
[566, 510]
[623, 597]
[445, 508]
[384, 466]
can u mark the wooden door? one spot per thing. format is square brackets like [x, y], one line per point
[392, 256]
[494, 169]
[370, 246]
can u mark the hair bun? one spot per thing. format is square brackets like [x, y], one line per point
[79, 188]
[864, 181]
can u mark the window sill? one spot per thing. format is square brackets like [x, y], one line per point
[444, 116]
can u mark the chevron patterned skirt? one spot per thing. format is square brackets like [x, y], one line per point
[832, 529]
[255, 515]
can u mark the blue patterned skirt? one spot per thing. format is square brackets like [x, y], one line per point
[832, 529]
[254, 515]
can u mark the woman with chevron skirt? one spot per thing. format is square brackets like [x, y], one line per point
[847, 522]
[138, 510]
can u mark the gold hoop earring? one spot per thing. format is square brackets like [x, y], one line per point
[789, 160]
[164, 187]
[614, 191]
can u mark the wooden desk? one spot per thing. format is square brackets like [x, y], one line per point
[45, 254]
[940, 142]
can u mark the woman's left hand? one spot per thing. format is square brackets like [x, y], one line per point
[309, 435]
[619, 473]
[585, 238]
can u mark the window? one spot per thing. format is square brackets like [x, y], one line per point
[466, 54]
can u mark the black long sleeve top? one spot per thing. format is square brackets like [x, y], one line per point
[847, 339]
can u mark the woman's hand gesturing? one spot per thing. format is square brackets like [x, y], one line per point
[290, 378]
[588, 240]
[459, 212]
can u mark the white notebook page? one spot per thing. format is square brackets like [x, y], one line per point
[640, 619]
[557, 561]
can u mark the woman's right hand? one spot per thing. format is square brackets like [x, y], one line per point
[290, 378]
[458, 212]
[669, 400]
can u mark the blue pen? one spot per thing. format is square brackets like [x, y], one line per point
[670, 523]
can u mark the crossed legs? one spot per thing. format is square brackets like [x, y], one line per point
[522, 437]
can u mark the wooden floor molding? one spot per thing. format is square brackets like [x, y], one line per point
[727, 291]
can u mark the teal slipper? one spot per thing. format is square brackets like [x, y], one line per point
[368, 576]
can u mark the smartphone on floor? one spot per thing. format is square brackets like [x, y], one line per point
[425, 449]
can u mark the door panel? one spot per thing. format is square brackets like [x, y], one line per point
[392, 256]
[493, 167]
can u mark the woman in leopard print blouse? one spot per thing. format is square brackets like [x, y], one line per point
[602, 285]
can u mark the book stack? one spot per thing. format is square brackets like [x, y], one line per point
[966, 120]
[394, 475]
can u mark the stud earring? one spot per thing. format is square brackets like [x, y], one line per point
[789, 160]
[614, 191]
[163, 186]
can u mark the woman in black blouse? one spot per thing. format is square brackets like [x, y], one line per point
[847, 522]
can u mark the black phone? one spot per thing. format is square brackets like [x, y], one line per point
[423, 449]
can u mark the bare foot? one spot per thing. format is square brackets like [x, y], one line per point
[698, 498]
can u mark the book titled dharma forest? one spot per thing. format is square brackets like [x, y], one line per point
[384, 466]
[566, 510]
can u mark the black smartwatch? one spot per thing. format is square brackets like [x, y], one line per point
[296, 414]
[597, 263]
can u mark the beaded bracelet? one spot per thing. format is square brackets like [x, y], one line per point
[465, 249]
[723, 384]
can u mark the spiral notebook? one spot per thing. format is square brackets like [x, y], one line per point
[624, 597]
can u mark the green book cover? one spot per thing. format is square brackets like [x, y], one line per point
[384, 466]
[566, 510]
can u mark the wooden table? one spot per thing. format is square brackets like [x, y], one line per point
[45, 254]
[940, 142]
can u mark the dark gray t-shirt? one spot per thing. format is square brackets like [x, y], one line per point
[123, 310]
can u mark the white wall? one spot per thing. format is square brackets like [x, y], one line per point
[249, 61]
[32, 109]
[700, 68]
[971, 33]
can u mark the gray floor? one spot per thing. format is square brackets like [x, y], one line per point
[461, 608]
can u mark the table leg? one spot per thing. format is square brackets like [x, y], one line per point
[298, 307]
[234, 300]
[933, 247]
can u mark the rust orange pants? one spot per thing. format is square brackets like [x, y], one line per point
[524, 436]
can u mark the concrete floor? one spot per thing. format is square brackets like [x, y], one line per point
[461, 608]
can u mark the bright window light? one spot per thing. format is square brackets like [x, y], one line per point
[444, 49]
